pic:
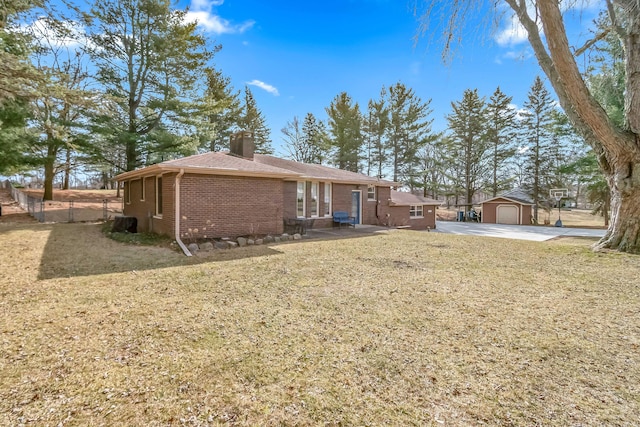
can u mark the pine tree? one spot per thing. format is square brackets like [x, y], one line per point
[15, 137]
[468, 129]
[150, 61]
[375, 129]
[314, 136]
[501, 132]
[407, 133]
[537, 133]
[17, 74]
[434, 166]
[221, 110]
[252, 120]
[345, 123]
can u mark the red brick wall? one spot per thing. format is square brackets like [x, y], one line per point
[220, 206]
[341, 197]
[429, 218]
[144, 210]
[400, 217]
[223, 206]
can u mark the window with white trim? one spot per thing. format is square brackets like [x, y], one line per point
[315, 199]
[159, 196]
[415, 211]
[371, 192]
[301, 199]
[143, 192]
[327, 198]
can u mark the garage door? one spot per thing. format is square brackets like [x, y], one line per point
[507, 214]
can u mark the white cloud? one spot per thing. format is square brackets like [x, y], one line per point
[201, 11]
[265, 86]
[67, 34]
[512, 34]
[205, 4]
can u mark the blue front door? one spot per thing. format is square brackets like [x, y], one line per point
[355, 205]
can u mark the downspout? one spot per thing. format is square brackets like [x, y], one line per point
[177, 213]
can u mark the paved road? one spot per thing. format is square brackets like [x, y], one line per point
[522, 232]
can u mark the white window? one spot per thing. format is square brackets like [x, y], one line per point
[371, 192]
[415, 211]
[301, 199]
[315, 199]
[143, 190]
[327, 198]
[159, 196]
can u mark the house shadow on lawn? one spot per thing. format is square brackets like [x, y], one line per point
[81, 249]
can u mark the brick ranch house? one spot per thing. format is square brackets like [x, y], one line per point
[219, 194]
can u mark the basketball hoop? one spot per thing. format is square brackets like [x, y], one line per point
[558, 194]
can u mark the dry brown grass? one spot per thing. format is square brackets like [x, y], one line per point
[396, 329]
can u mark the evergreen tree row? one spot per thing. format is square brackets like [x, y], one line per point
[137, 87]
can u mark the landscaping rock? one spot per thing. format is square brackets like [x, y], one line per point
[193, 248]
[242, 241]
[221, 245]
[297, 236]
[284, 237]
[277, 239]
[251, 242]
[232, 244]
[259, 241]
[206, 246]
[268, 239]
[290, 237]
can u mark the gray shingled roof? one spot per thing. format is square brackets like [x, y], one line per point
[261, 165]
[319, 172]
[401, 198]
[517, 195]
[225, 161]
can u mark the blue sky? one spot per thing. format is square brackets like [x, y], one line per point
[297, 56]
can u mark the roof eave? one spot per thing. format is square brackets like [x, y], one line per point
[509, 199]
[347, 181]
[160, 169]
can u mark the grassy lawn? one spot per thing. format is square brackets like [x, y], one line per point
[406, 328]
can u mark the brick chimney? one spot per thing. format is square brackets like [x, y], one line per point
[242, 145]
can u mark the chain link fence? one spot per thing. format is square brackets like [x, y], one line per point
[76, 210]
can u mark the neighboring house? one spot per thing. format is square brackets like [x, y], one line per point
[417, 212]
[240, 193]
[512, 207]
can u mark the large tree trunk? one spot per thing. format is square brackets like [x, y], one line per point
[67, 170]
[624, 229]
[618, 150]
[48, 180]
[49, 174]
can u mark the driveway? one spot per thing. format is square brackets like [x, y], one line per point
[521, 232]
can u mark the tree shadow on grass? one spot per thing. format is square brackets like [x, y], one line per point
[80, 249]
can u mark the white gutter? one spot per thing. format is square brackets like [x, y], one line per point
[177, 213]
